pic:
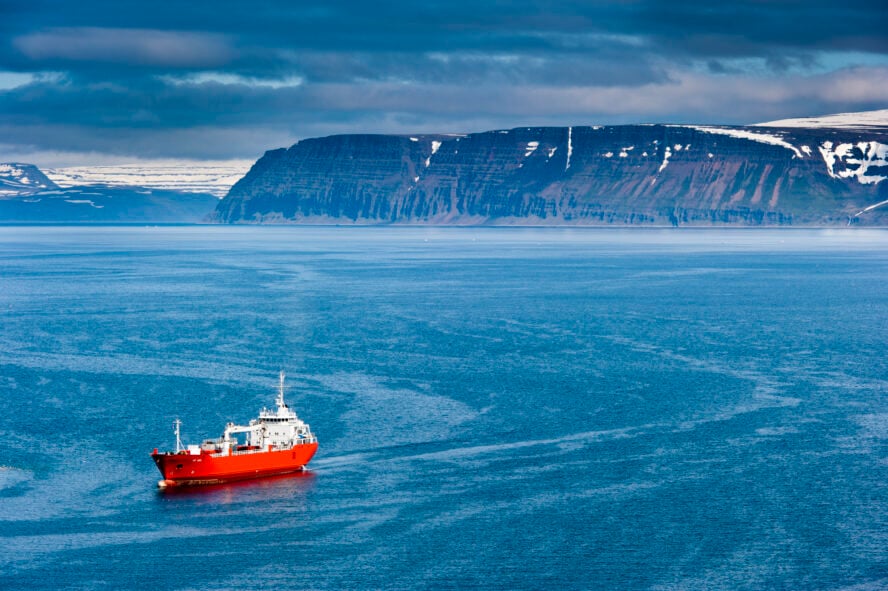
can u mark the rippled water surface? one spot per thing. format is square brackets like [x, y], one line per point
[497, 408]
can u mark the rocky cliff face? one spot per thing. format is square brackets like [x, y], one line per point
[627, 175]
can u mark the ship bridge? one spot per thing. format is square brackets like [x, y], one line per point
[278, 428]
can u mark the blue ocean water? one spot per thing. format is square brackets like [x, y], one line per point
[497, 408]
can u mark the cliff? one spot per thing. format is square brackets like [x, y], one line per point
[622, 175]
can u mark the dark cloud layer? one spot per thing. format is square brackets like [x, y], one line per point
[172, 78]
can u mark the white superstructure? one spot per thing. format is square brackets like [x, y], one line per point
[275, 429]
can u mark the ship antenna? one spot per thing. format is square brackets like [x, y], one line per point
[280, 399]
[178, 424]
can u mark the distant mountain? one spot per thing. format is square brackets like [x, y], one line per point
[28, 196]
[22, 179]
[784, 173]
[867, 120]
[213, 177]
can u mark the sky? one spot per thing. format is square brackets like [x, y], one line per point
[110, 81]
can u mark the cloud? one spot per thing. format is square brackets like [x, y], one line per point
[684, 96]
[10, 80]
[198, 143]
[755, 28]
[856, 85]
[214, 120]
[233, 79]
[127, 46]
[15, 79]
[230, 79]
[610, 66]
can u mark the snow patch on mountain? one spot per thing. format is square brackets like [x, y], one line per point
[666, 155]
[870, 208]
[17, 178]
[863, 120]
[213, 177]
[435, 145]
[845, 161]
[84, 202]
[569, 147]
[764, 138]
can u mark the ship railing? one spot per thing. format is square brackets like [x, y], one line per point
[304, 441]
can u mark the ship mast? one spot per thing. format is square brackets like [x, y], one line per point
[280, 397]
[178, 424]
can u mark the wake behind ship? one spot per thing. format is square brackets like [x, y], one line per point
[277, 442]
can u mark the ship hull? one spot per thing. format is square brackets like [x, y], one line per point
[184, 469]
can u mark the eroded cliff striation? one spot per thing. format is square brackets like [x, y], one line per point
[623, 175]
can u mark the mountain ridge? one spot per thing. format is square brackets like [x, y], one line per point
[585, 175]
[864, 120]
[29, 196]
[213, 177]
[18, 178]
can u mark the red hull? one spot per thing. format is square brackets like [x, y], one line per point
[183, 469]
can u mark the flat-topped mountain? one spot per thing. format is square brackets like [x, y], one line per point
[213, 177]
[786, 173]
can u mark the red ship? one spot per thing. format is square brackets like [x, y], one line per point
[277, 442]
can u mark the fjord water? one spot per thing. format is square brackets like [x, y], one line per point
[497, 408]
